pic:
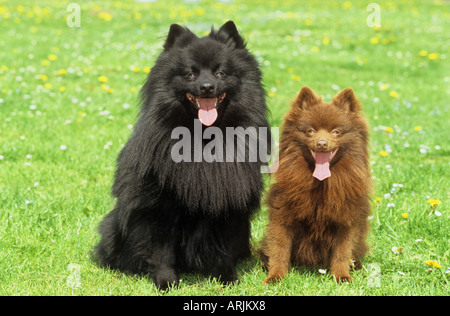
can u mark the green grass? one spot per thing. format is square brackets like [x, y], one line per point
[61, 131]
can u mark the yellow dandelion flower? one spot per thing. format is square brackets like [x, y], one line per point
[405, 215]
[62, 89]
[45, 62]
[200, 11]
[347, 5]
[308, 22]
[296, 78]
[48, 86]
[433, 264]
[433, 203]
[315, 49]
[271, 94]
[133, 89]
[105, 16]
[102, 79]
[146, 70]
[389, 129]
[136, 69]
[393, 94]
[5, 14]
[325, 41]
[110, 90]
[62, 72]
[383, 86]
[377, 200]
[423, 53]
[383, 153]
[433, 56]
[52, 57]
[374, 40]
[43, 77]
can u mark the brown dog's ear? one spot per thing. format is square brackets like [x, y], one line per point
[346, 100]
[306, 98]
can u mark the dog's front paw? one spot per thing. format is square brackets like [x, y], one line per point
[166, 279]
[229, 279]
[343, 278]
[274, 277]
[271, 280]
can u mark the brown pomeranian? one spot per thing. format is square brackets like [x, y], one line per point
[319, 205]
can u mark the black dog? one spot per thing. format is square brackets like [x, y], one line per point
[177, 216]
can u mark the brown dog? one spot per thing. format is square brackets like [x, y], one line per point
[319, 205]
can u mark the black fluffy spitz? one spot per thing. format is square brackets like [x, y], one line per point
[186, 216]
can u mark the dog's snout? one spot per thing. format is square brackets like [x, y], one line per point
[207, 88]
[321, 144]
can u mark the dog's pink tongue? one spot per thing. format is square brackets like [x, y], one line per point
[322, 170]
[207, 114]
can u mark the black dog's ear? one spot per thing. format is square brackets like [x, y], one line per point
[176, 31]
[228, 32]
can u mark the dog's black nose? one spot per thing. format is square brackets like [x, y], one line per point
[206, 88]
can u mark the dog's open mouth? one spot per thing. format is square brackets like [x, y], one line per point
[207, 107]
[323, 159]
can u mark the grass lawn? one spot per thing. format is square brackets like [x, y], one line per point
[69, 99]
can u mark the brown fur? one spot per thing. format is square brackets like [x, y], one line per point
[312, 222]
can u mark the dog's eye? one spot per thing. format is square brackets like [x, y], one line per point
[310, 131]
[191, 75]
[336, 132]
[219, 74]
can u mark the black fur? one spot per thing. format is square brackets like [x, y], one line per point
[189, 216]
